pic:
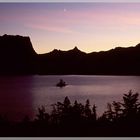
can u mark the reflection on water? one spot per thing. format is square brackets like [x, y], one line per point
[16, 97]
[21, 95]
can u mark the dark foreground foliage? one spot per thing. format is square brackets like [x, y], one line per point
[72, 120]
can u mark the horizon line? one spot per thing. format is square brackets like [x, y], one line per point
[26, 36]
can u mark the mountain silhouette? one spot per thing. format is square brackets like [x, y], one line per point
[118, 61]
[17, 56]
[62, 62]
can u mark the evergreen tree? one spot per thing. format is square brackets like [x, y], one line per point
[130, 104]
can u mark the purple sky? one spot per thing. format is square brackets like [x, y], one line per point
[89, 26]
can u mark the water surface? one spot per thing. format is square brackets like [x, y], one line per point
[22, 95]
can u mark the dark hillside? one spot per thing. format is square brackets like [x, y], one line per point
[17, 55]
[118, 61]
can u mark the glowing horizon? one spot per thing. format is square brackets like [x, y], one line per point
[89, 26]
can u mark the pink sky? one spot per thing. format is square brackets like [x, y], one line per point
[90, 26]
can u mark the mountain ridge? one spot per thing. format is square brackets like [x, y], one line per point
[17, 56]
[117, 61]
[116, 48]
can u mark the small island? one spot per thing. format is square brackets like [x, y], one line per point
[61, 83]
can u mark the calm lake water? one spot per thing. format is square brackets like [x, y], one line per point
[22, 95]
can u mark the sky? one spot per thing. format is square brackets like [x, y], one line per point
[89, 26]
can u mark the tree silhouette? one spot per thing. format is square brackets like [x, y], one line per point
[87, 109]
[42, 116]
[94, 114]
[109, 114]
[130, 104]
[77, 119]
[77, 111]
[117, 109]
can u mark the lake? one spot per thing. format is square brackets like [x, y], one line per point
[22, 95]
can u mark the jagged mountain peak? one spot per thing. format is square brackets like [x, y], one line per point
[55, 52]
[76, 48]
[138, 45]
